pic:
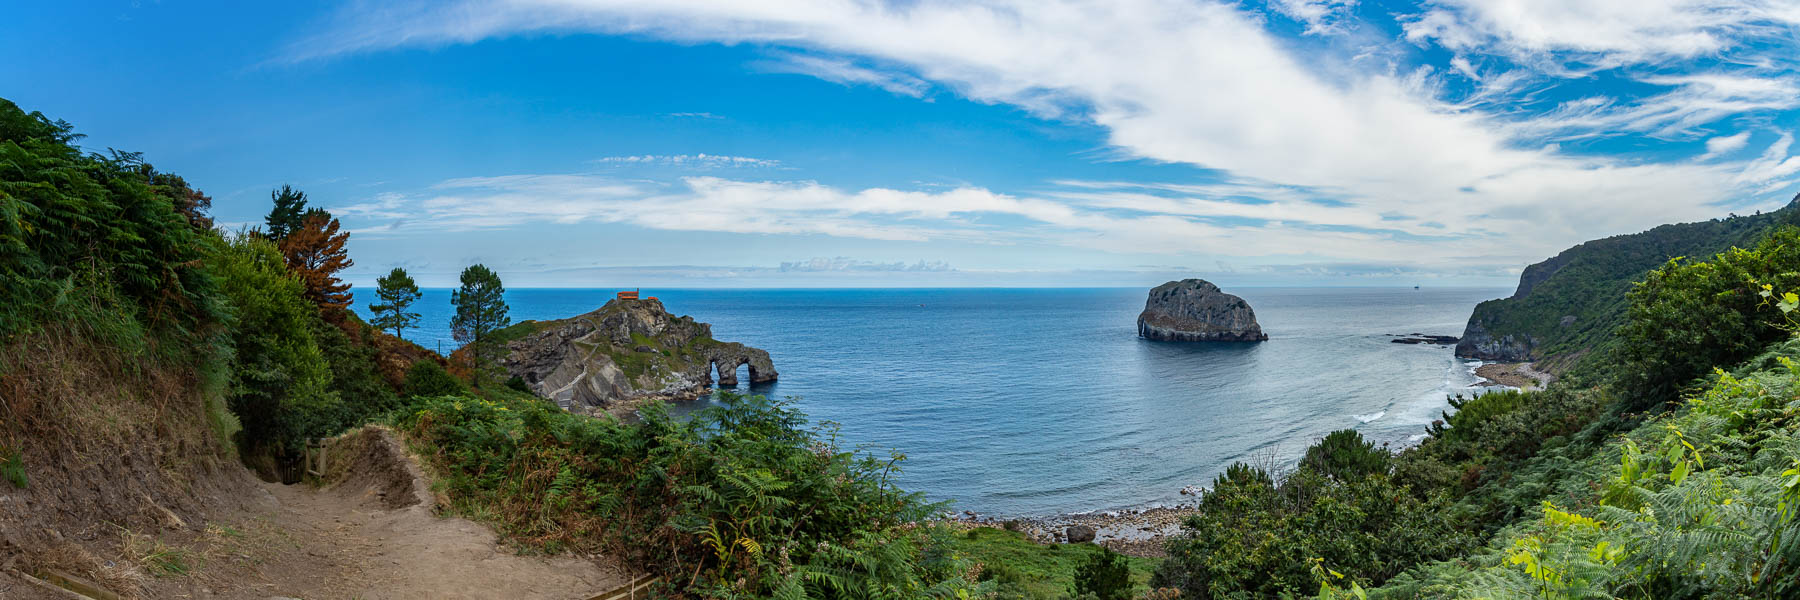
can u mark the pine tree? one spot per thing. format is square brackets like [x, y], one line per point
[480, 311]
[288, 214]
[315, 253]
[397, 292]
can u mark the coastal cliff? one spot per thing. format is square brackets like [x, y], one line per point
[629, 351]
[1194, 310]
[1567, 306]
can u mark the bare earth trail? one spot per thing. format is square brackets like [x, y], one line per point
[371, 535]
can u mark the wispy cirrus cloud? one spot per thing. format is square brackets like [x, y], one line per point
[841, 264]
[690, 160]
[846, 72]
[1692, 102]
[1574, 38]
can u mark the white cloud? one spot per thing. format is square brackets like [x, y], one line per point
[695, 160]
[1202, 83]
[1105, 216]
[1320, 16]
[1693, 101]
[1575, 37]
[1725, 144]
[1775, 166]
[385, 205]
[843, 71]
[843, 263]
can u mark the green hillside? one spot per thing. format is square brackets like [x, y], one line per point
[1568, 306]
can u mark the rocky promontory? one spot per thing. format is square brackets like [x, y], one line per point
[628, 352]
[1194, 310]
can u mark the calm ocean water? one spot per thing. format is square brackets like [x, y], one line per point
[1029, 402]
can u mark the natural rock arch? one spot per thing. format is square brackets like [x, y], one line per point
[727, 372]
[727, 357]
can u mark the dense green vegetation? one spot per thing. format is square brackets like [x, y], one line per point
[86, 236]
[737, 501]
[1687, 318]
[1260, 536]
[427, 378]
[1589, 282]
[1640, 480]
[281, 384]
[1697, 503]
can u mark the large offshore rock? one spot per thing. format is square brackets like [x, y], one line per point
[629, 351]
[1194, 310]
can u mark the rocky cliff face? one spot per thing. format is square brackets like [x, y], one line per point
[1194, 310]
[1477, 342]
[627, 352]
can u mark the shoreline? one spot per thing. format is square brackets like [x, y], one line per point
[1142, 531]
[1134, 532]
[1519, 375]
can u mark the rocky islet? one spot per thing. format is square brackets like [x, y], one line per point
[1195, 310]
[625, 353]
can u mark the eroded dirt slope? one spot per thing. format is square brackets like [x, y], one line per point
[372, 534]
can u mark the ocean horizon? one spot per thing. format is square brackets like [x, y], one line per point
[1032, 402]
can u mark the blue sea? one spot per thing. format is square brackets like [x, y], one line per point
[1033, 402]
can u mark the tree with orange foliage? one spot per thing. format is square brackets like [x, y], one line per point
[315, 253]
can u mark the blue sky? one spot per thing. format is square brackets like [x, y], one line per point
[697, 143]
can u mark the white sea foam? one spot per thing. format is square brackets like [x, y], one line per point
[1371, 416]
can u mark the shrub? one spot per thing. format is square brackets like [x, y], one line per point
[1688, 317]
[1344, 456]
[1105, 576]
[349, 348]
[1255, 535]
[428, 378]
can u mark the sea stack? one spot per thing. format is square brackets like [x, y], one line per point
[1194, 310]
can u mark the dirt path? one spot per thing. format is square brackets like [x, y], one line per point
[371, 536]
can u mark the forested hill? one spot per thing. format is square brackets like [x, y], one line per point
[1569, 305]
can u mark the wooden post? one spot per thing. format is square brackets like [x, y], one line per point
[315, 457]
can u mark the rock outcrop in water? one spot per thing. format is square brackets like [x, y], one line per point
[1420, 338]
[627, 352]
[1194, 310]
